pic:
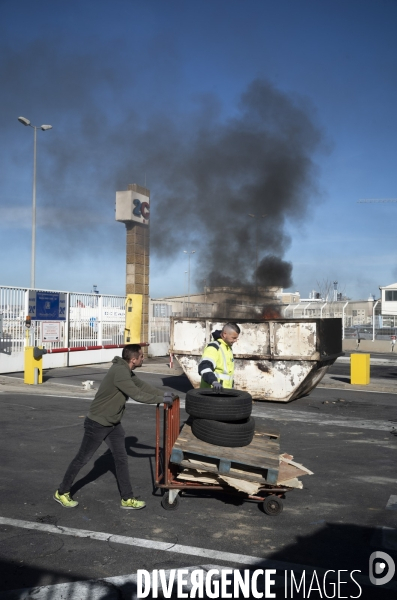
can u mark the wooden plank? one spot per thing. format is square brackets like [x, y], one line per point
[290, 471]
[195, 458]
[263, 428]
[255, 453]
[245, 476]
[262, 453]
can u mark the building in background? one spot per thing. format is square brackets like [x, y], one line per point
[389, 300]
[289, 297]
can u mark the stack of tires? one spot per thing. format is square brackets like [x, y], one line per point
[221, 418]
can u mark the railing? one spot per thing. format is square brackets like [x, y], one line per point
[159, 320]
[13, 309]
[364, 323]
[91, 320]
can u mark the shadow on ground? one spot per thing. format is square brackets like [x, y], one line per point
[342, 549]
[105, 463]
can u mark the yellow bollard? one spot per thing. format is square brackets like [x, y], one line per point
[133, 319]
[359, 369]
[33, 373]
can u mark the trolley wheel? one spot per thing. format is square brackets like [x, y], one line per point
[272, 505]
[165, 504]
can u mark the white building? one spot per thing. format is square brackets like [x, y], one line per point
[389, 299]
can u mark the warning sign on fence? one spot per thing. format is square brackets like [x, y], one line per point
[50, 331]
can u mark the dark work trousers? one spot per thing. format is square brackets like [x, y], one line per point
[94, 435]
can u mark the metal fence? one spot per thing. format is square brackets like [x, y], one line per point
[91, 320]
[364, 323]
[96, 319]
[13, 307]
[360, 320]
[159, 321]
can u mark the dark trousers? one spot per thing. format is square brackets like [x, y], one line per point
[94, 435]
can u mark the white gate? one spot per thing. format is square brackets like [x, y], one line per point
[160, 312]
[159, 328]
[91, 320]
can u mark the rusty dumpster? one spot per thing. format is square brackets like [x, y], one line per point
[275, 360]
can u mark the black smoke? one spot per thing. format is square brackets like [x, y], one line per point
[259, 162]
[208, 169]
[273, 271]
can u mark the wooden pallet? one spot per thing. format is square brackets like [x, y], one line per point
[259, 461]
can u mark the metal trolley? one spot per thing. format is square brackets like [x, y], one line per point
[167, 471]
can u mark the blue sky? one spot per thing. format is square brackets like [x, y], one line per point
[166, 92]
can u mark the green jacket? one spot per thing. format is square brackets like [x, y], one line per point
[119, 384]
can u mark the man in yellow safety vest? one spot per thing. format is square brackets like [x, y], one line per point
[217, 363]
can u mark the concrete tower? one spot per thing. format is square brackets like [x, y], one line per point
[133, 208]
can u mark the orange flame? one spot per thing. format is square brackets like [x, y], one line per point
[270, 312]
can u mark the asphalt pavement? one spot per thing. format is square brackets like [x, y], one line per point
[346, 510]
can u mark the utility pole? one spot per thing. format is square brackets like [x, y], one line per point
[257, 251]
[189, 253]
[27, 123]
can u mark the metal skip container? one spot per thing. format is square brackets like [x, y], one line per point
[276, 360]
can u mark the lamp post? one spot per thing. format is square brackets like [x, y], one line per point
[188, 279]
[257, 250]
[27, 123]
[184, 292]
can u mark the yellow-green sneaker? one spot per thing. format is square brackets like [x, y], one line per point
[133, 503]
[65, 500]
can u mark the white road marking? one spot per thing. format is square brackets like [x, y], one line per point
[131, 541]
[89, 398]
[326, 387]
[374, 361]
[376, 480]
[392, 503]
[15, 404]
[283, 414]
[20, 380]
[154, 373]
[109, 588]
[100, 589]
[45, 395]
[321, 419]
[59, 427]
[387, 541]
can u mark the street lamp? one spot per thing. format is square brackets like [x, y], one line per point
[257, 250]
[27, 123]
[188, 279]
[184, 292]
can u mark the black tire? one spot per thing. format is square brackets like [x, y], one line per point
[165, 504]
[228, 405]
[219, 433]
[273, 506]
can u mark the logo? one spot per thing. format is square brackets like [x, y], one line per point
[382, 564]
[141, 209]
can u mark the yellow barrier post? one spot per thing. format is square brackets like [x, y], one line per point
[33, 373]
[133, 319]
[359, 369]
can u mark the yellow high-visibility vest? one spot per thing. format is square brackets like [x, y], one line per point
[220, 355]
